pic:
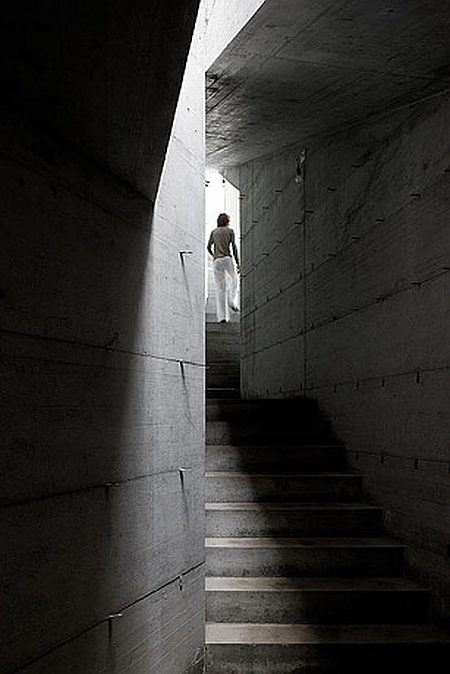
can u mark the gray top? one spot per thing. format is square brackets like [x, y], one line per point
[222, 238]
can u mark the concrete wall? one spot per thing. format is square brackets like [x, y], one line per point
[345, 292]
[224, 20]
[272, 290]
[101, 533]
[103, 75]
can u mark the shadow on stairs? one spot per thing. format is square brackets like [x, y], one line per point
[300, 576]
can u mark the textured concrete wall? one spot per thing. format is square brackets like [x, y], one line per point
[98, 413]
[272, 267]
[100, 75]
[346, 284]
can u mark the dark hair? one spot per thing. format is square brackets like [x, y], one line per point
[223, 220]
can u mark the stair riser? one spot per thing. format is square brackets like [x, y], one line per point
[223, 366]
[324, 658]
[223, 353]
[311, 562]
[222, 331]
[296, 489]
[273, 523]
[213, 394]
[222, 380]
[326, 607]
[224, 349]
[259, 412]
[261, 459]
[224, 433]
[223, 342]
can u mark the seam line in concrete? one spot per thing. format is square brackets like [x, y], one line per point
[362, 69]
[407, 457]
[371, 118]
[91, 487]
[345, 314]
[404, 373]
[107, 619]
[104, 347]
[348, 246]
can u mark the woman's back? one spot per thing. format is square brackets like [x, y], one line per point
[222, 238]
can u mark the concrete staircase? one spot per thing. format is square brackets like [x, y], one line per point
[222, 355]
[300, 577]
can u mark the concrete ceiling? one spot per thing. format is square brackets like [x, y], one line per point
[303, 68]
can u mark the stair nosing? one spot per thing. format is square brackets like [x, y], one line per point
[263, 447]
[290, 633]
[286, 475]
[291, 584]
[261, 506]
[266, 543]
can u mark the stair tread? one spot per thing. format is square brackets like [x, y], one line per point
[291, 448]
[261, 507]
[256, 633]
[267, 542]
[280, 422]
[281, 402]
[293, 584]
[221, 388]
[286, 475]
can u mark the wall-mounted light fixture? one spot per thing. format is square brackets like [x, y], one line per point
[299, 170]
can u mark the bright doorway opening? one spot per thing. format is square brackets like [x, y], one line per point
[220, 197]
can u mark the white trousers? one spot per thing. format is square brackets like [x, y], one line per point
[226, 282]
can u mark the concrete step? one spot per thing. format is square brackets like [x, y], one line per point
[292, 519]
[223, 350]
[316, 600]
[223, 329]
[298, 487]
[316, 557]
[324, 649]
[222, 392]
[270, 458]
[226, 379]
[223, 346]
[211, 317]
[269, 432]
[223, 366]
[243, 410]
